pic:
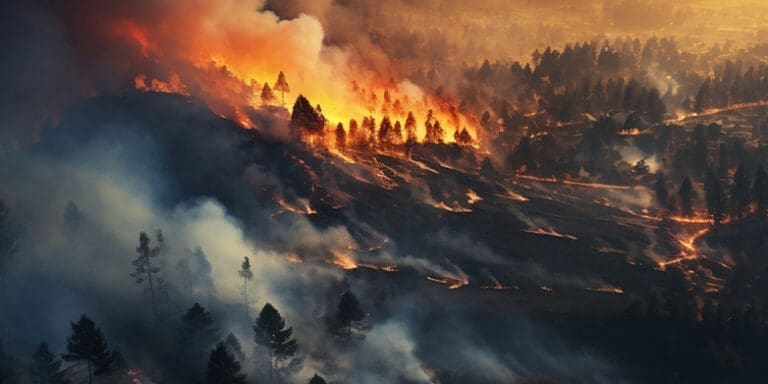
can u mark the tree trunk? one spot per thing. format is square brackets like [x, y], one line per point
[271, 368]
[245, 296]
[151, 288]
[90, 376]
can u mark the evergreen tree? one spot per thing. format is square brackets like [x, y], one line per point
[272, 334]
[341, 136]
[46, 368]
[198, 332]
[195, 338]
[282, 86]
[144, 269]
[223, 368]
[715, 198]
[685, 194]
[317, 379]
[267, 96]
[87, 344]
[347, 313]
[247, 275]
[234, 346]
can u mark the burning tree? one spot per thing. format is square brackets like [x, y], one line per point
[341, 136]
[223, 368]
[410, 127]
[46, 368]
[247, 275]
[267, 96]
[87, 344]
[271, 334]
[144, 269]
[282, 86]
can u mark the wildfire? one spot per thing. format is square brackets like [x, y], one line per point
[473, 197]
[607, 289]
[451, 282]
[286, 207]
[550, 232]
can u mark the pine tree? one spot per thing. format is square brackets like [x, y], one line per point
[247, 275]
[347, 313]
[234, 346]
[267, 96]
[87, 344]
[198, 332]
[195, 337]
[282, 86]
[317, 379]
[144, 269]
[223, 368]
[271, 334]
[46, 368]
[341, 136]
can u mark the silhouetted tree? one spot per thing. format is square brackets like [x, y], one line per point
[317, 379]
[234, 346]
[46, 368]
[662, 193]
[271, 334]
[267, 96]
[282, 86]
[685, 194]
[9, 241]
[341, 136]
[306, 117]
[247, 275]
[740, 193]
[197, 332]
[347, 313]
[87, 344]
[410, 127]
[223, 368]
[144, 269]
[714, 195]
